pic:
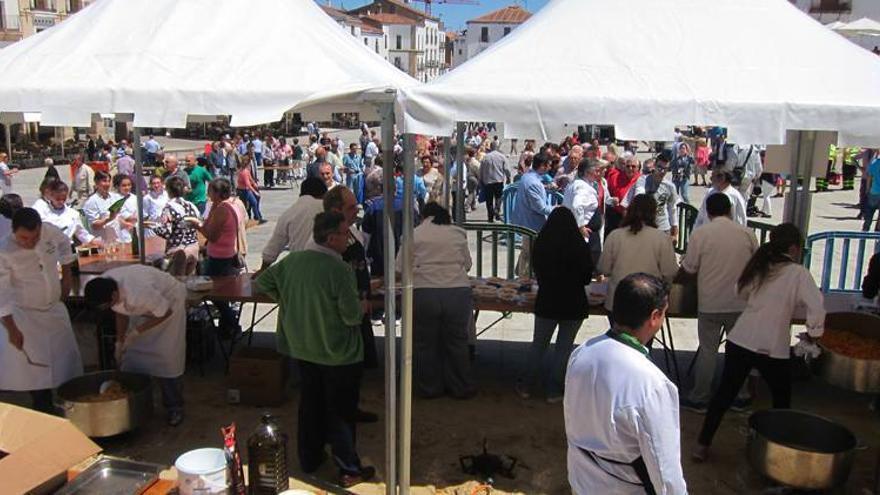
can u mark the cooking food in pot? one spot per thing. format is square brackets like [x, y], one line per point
[851, 344]
[113, 392]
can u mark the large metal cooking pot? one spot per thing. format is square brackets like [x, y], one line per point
[106, 418]
[800, 449]
[859, 375]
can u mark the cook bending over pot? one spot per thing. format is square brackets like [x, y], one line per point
[774, 283]
[150, 308]
[40, 352]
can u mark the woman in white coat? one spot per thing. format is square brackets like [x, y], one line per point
[41, 351]
[150, 308]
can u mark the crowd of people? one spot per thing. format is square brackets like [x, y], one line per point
[601, 216]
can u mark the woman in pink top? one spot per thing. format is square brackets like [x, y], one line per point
[247, 190]
[221, 231]
[701, 157]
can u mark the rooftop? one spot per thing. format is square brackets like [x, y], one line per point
[340, 16]
[391, 19]
[512, 14]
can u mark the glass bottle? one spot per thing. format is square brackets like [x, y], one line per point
[267, 459]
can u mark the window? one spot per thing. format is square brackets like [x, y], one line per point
[399, 42]
[459, 51]
[377, 46]
[397, 63]
[833, 6]
[484, 35]
[45, 5]
[352, 30]
[506, 31]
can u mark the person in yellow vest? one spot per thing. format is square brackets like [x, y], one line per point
[850, 166]
[822, 182]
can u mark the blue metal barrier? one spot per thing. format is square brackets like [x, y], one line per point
[846, 279]
[508, 199]
[499, 234]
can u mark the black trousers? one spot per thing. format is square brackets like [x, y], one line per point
[738, 362]
[42, 401]
[493, 198]
[327, 407]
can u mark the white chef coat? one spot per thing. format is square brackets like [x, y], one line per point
[67, 219]
[765, 325]
[620, 406]
[30, 291]
[148, 292]
[737, 207]
[441, 258]
[582, 199]
[128, 211]
[717, 252]
[294, 228]
[153, 206]
[97, 207]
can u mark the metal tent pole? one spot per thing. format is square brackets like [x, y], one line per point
[460, 129]
[387, 114]
[406, 245]
[8, 128]
[139, 175]
[449, 181]
[798, 202]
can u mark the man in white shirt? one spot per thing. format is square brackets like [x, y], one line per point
[747, 166]
[53, 210]
[6, 174]
[721, 183]
[621, 412]
[657, 182]
[294, 228]
[717, 253]
[371, 152]
[97, 207]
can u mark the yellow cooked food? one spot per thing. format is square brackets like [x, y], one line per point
[851, 344]
[114, 392]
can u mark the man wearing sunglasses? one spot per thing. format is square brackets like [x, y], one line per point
[657, 182]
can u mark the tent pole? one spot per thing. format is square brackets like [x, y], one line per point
[8, 128]
[448, 181]
[387, 113]
[139, 176]
[462, 171]
[406, 245]
[798, 204]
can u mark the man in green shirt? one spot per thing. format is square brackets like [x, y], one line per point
[319, 314]
[198, 178]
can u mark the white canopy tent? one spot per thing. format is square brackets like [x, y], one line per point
[861, 27]
[160, 63]
[757, 67]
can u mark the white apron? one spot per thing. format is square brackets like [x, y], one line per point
[30, 290]
[161, 350]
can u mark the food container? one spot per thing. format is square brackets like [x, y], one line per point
[110, 417]
[859, 375]
[202, 471]
[110, 475]
[800, 449]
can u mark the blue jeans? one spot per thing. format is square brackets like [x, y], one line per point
[252, 201]
[872, 204]
[683, 187]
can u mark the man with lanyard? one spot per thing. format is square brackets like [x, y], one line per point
[658, 184]
[621, 412]
[150, 309]
[40, 352]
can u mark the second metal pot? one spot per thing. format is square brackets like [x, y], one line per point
[106, 418]
[858, 375]
[800, 449]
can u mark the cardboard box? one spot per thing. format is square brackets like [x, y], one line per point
[257, 377]
[39, 450]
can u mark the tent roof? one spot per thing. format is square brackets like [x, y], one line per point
[163, 60]
[864, 26]
[771, 68]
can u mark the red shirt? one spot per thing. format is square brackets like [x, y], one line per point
[619, 185]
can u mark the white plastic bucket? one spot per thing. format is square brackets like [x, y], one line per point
[202, 472]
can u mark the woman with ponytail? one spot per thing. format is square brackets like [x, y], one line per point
[774, 282]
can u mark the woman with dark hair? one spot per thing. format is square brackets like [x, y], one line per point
[774, 282]
[177, 225]
[637, 246]
[563, 267]
[126, 219]
[221, 230]
[442, 307]
[9, 204]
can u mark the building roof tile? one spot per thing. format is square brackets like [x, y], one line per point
[512, 14]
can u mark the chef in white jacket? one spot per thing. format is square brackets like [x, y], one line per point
[150, 308]
[53, 210]
[621, 412]
[35, 320]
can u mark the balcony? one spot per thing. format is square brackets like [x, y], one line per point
[831, 7]
[42, 6]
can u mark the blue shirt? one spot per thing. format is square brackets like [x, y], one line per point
[419, 189]
[258, 146]
[152, 146]
[531, 208]
[874, 170]
[353, 163]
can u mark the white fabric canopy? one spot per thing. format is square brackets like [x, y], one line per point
[863, 26]
[758, 67]
[163, 60]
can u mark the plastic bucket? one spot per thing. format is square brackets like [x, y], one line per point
[202, 472]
